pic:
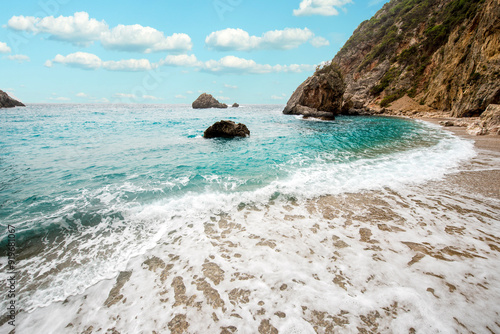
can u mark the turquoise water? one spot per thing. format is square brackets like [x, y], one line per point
[90, 186]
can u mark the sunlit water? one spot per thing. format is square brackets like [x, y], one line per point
[91, 187]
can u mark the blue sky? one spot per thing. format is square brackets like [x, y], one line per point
[164, 51]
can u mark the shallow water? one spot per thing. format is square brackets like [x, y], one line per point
[201, 227]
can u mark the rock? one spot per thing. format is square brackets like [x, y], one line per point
[226, 129]
[320, 95]
[235, 105]
[446, 123]
[489, 123]
[7, 102]
[206, 101]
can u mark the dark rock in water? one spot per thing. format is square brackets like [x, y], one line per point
[206, 101]
[226, 129]
[7, 102]
[235, 105]
[320, 95]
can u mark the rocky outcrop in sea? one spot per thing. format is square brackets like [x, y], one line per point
[206, 101]
[7, 102]
[226, 129]
[320, 95]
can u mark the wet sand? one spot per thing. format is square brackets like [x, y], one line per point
[423, 258]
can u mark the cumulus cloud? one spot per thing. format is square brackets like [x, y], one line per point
[144, 39]
[19, 58]
[179, 96]
[128, 65]
[89, 61]
[82, 95]
[230, 86]
[4, 48]
[239, 40]
[320, 7]
[318, 42]
[228, 64]
[80, 29]
[232, 64]
[84, 60]
[180, 60]
[77, 29]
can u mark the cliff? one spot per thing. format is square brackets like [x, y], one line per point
[320, 95]
[445, 54]
[7, 102]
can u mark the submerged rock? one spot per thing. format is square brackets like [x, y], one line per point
[235, 105]
[206, 101]
[320, 95]
[226, 129]
[7, 102]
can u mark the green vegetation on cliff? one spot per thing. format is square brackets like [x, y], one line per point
[409, 47]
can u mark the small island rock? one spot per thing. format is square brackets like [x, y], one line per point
[7, 102]
[206, 101]
[235, 105]
[226, 129]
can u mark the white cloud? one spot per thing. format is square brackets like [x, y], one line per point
[80, 29]
[87, 61]
[82, 95]
[128, 65]
[232, 64]
[318, 42]
[19, 58]
[239, 40]
[189, 92]
[144, 39]
[4, 48]
[223, 98]
[77, 29]
[179, 96]
[181, 60]
[23, 23]
[228, 64]
[230, 86]
[320, 7]
[289, 38]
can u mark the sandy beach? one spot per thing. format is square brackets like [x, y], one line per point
[421, 258]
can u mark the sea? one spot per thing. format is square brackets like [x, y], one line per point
[126, 220]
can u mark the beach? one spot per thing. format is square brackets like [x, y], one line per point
[418, 257]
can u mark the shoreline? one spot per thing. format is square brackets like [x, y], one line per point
[420, 258]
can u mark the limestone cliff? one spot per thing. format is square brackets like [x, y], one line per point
[7, 102]
[445, 54]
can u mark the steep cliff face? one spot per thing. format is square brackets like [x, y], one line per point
[445, 54]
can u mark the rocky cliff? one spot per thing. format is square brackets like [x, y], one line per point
[445, 54]
[320, 95]
[7, 102]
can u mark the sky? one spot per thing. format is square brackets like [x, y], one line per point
[165, 51]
